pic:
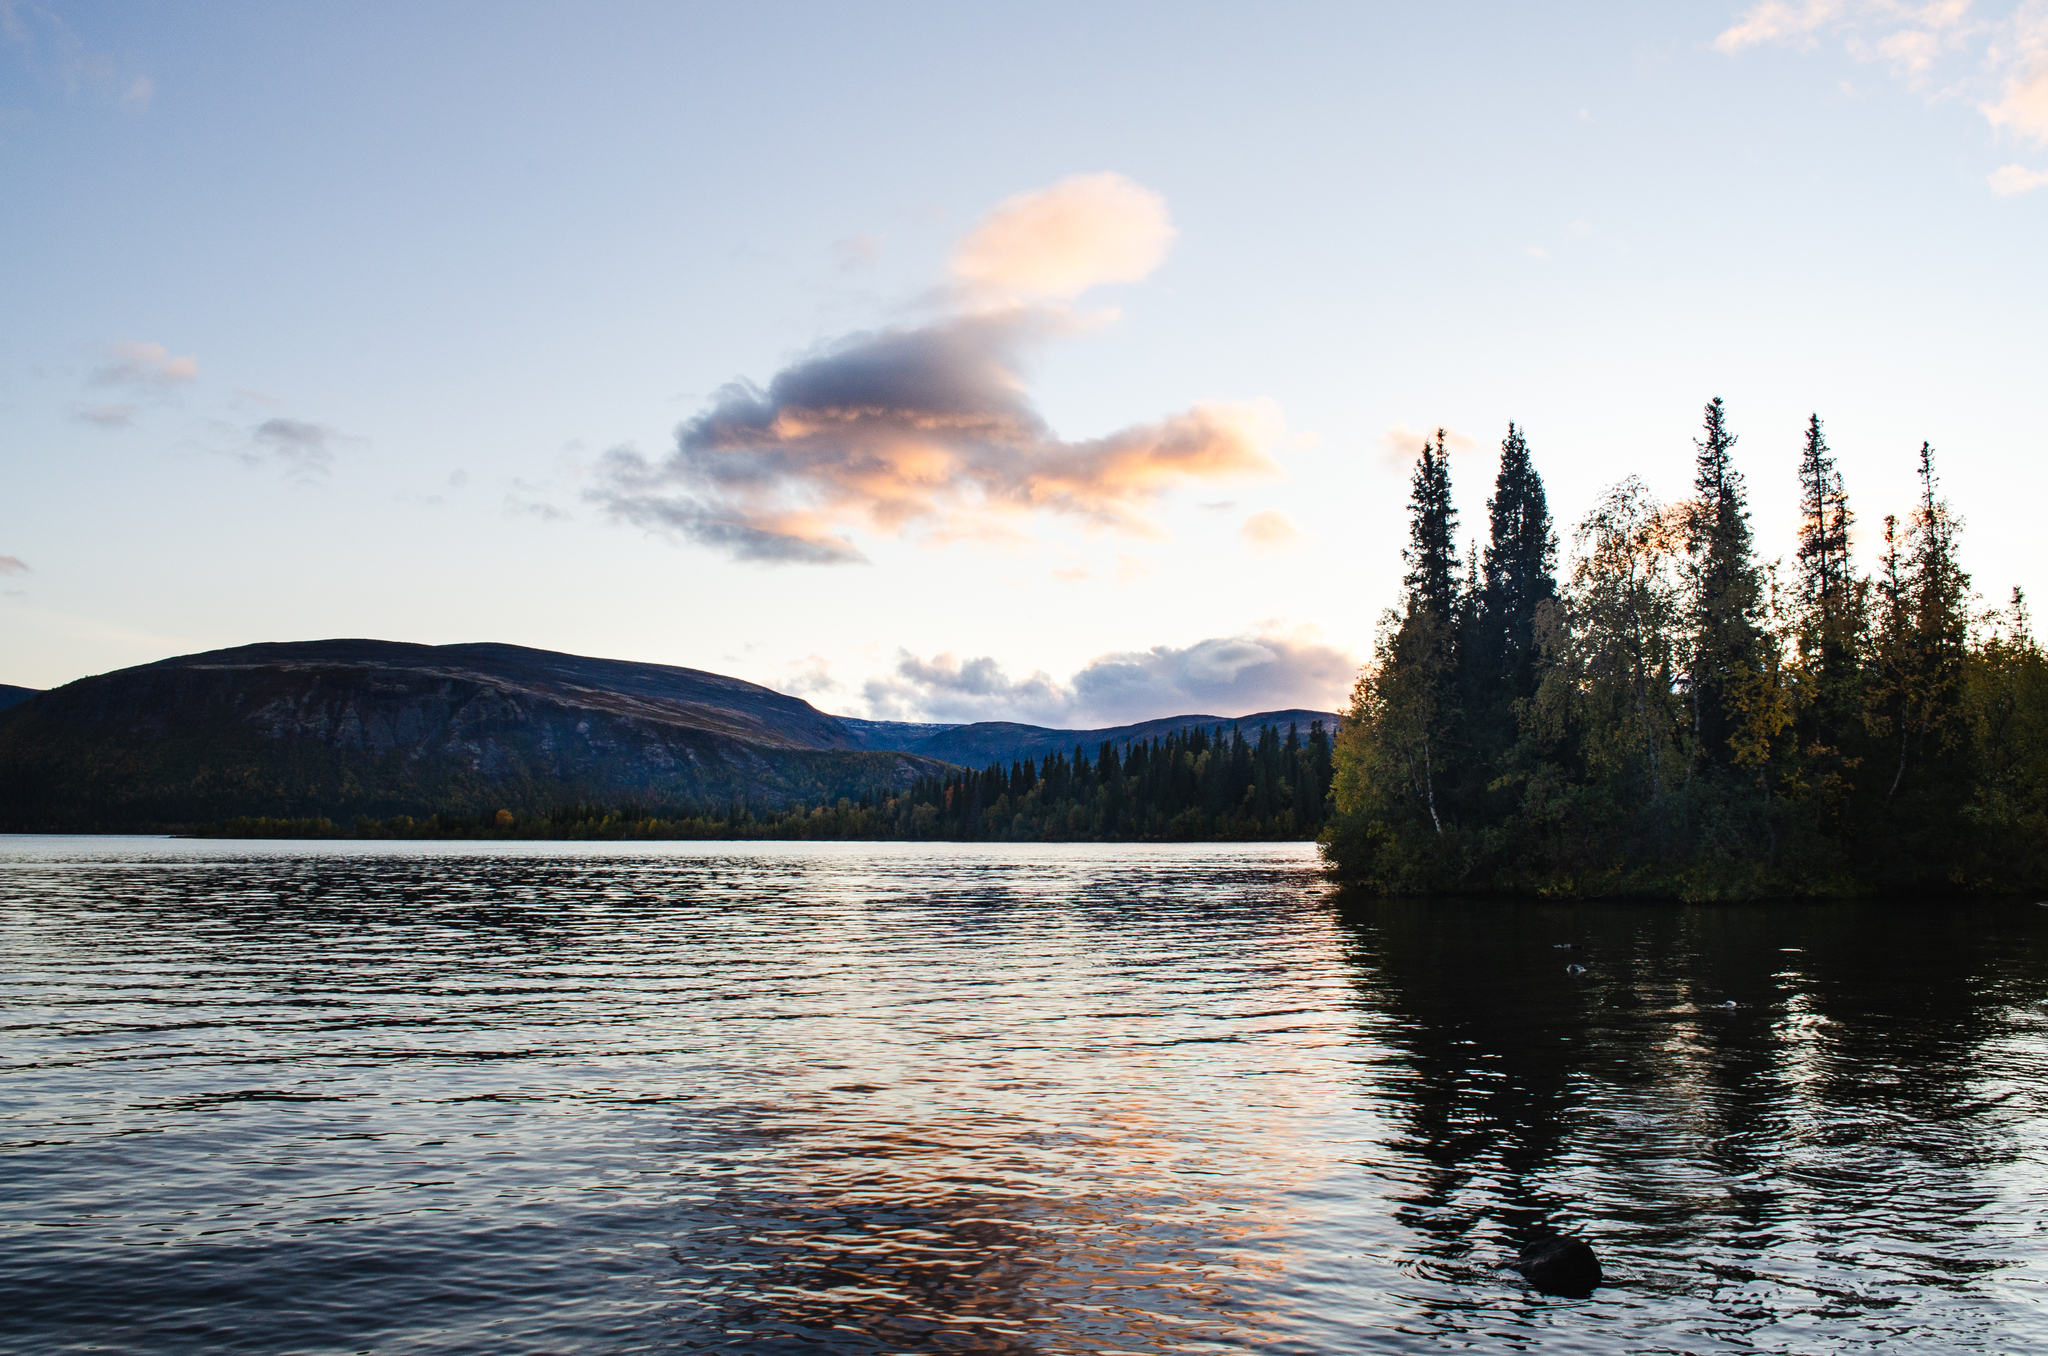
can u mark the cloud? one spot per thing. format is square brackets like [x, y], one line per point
[304, 449]
[943, 688]
[808, 677]
[53, 53]
[110, 415]
[1400, 445]
[2011, 67]
[530, 500]
[1271, 530]
[1777, 21]
[2024, 105]
[928, 427]
[14, 565]
[2010, 180]
[139, 93]
[1055, 243]
[1225, 676]
[143, 366]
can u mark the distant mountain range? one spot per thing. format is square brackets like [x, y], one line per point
[1000, 741]
[352, 727]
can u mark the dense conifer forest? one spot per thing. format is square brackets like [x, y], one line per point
[1192, 785]
[1675, 717]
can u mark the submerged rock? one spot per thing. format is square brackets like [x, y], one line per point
[1560, 1266]
[1575, 969]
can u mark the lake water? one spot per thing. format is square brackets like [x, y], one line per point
[914, 1098]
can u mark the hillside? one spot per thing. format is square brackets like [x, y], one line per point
[351, 727]
[10, 694]
[345, 728]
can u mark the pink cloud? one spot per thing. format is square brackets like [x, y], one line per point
[927, 428]
[1058, 242]
[144, 365]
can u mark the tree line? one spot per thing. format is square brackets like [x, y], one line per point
[1191, 785]
[1676, 716]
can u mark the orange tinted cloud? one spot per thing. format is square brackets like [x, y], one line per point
[926, 428]
[929, 428]
[1057, 242]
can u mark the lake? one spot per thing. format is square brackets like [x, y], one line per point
[451, 1097]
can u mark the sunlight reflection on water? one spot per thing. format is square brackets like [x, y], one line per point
[877, 1098]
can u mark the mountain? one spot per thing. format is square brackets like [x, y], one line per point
[348, 727]
[995, 741]
[341, 728]
[10, 694]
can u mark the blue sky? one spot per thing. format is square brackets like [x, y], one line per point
[397, 321]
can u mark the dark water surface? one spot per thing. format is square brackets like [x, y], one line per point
[906, 1098]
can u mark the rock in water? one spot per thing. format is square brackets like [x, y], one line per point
[1561, 1266]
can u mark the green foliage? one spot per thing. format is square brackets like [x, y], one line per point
[1684, 725]
[1191, 785]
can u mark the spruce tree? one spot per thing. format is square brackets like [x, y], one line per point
[1825, 580]
[1830, 623]
[1727, 593]
[1432, 553]
[1519, 566]
[1922, 638]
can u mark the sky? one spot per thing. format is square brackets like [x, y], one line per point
[1057, 363]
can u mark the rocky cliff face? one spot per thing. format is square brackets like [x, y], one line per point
[342, 728]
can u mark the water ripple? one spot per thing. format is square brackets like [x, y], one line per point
[888, 1098]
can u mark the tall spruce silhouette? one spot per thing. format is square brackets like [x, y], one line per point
[1831, 621]
[1727, 590]
[1432, 553]
[1519, 569]
[1827, 582]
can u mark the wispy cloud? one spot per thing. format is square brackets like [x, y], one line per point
[53, 52]
[2006, 74]
[1271, 530]
[14, 565]
[2009, 180]
[1225, 676]
[2022, 53]
[1401, 444]
[144, 366]
[304, 449]
[1778, 21]
[930, 428]
[110, 414]
[531, 501]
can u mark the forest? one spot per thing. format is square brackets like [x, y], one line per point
[1192, 785]
[1676, 717]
